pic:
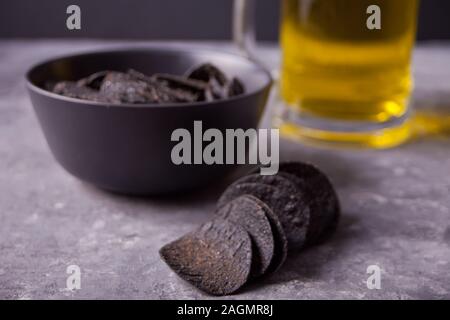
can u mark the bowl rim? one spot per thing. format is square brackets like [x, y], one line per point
[163, 49]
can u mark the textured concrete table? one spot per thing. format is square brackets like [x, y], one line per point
[396, 210]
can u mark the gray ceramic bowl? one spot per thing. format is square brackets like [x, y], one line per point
[127, 148]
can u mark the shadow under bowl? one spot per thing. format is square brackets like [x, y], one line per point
[127, 148]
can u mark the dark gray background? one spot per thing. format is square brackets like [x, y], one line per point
[165, 19]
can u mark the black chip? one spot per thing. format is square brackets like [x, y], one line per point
[179, 89]
[199, 90]
[279, 238]
[276, 200]
[70, 89]
[207, 73]
[124, 88]
[248, 212]
[135, 87]
[73, 90]
[94, 81]
[235, 88]
[218, 83]
[318, 218]
[291, 207]
[216, 258]
[320, 195]
[178, 82]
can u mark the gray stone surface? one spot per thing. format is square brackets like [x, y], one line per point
[396, 210]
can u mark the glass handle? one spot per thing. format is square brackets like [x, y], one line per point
[244, 27]
[244, 32]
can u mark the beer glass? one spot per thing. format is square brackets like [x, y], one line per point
[345, 76]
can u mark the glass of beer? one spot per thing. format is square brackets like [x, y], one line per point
[346, 70]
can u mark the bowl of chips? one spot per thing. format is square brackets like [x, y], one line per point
[108, 116]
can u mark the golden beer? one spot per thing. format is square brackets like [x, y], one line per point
[335, 67]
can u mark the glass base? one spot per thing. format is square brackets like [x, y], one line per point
[317, 131]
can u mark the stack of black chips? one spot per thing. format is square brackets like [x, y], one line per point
[204, 83]
[258, 219]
